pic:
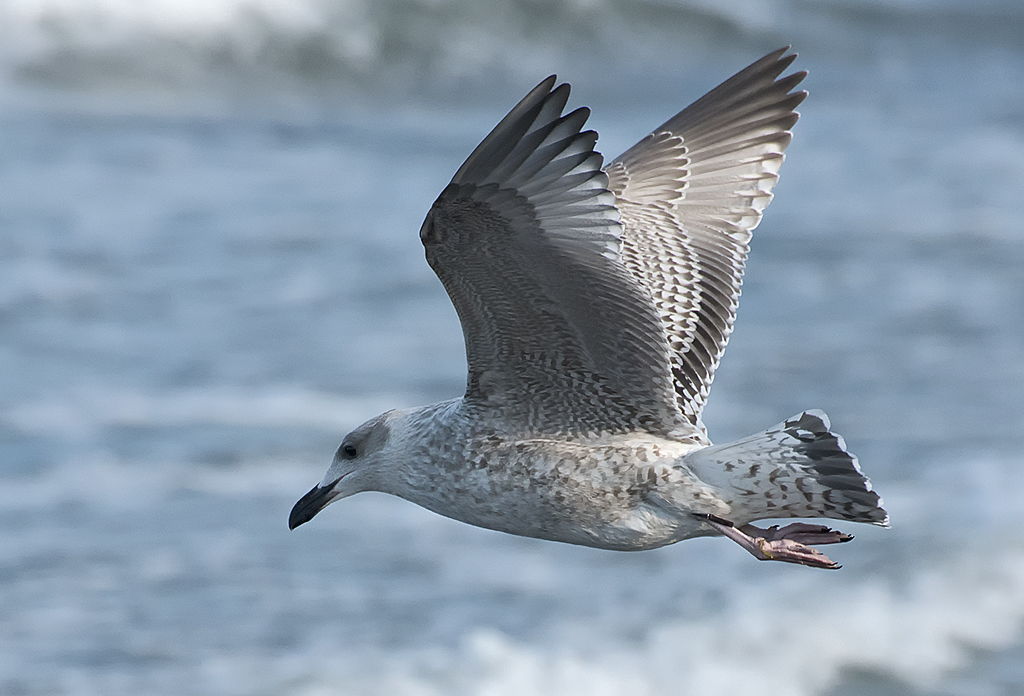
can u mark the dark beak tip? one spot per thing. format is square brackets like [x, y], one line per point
[309, 505]
[297, 517]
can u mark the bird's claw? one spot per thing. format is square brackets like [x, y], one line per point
[790, 544]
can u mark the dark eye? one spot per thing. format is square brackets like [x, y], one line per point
[349, 451]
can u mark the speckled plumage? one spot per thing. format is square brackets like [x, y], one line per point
[596, 304]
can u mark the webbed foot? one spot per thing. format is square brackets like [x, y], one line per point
[790, 544]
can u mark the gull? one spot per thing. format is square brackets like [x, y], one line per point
[596, 302]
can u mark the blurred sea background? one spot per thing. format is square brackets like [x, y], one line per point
[210, 271]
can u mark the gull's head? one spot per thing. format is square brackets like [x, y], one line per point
[356, 467]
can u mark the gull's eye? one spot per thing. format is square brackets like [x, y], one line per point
[348, 451]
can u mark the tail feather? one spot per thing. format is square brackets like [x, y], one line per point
[799, 468]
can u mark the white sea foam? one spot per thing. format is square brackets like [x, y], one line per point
[163, 42]
[799, 641]
[786, 641]
[129, 567]
[778, 635]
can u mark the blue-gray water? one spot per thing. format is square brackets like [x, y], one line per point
[209, 272]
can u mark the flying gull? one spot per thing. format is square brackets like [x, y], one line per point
[596, 302]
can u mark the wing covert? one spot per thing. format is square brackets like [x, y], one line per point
[689, 195]
[560, 336]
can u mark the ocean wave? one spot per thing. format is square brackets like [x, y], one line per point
[801, 638]
[795, 633]
[920, 615]
[358, 42]
[791, 642]
[84, 412]
[914, 624]
[418, 45]
[102, 481]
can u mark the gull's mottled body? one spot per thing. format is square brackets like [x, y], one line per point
[596, 303]
[592, 490]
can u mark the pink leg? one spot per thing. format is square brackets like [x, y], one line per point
[790, 544]
[800, 532]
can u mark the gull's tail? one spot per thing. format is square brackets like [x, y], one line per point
[799, 468]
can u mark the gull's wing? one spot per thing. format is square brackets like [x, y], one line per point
[689, 195]
[560, 336]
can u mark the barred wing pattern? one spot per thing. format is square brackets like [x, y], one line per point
[560, 336]
[689, 195]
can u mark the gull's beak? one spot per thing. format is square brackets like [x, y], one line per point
[310, 504]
